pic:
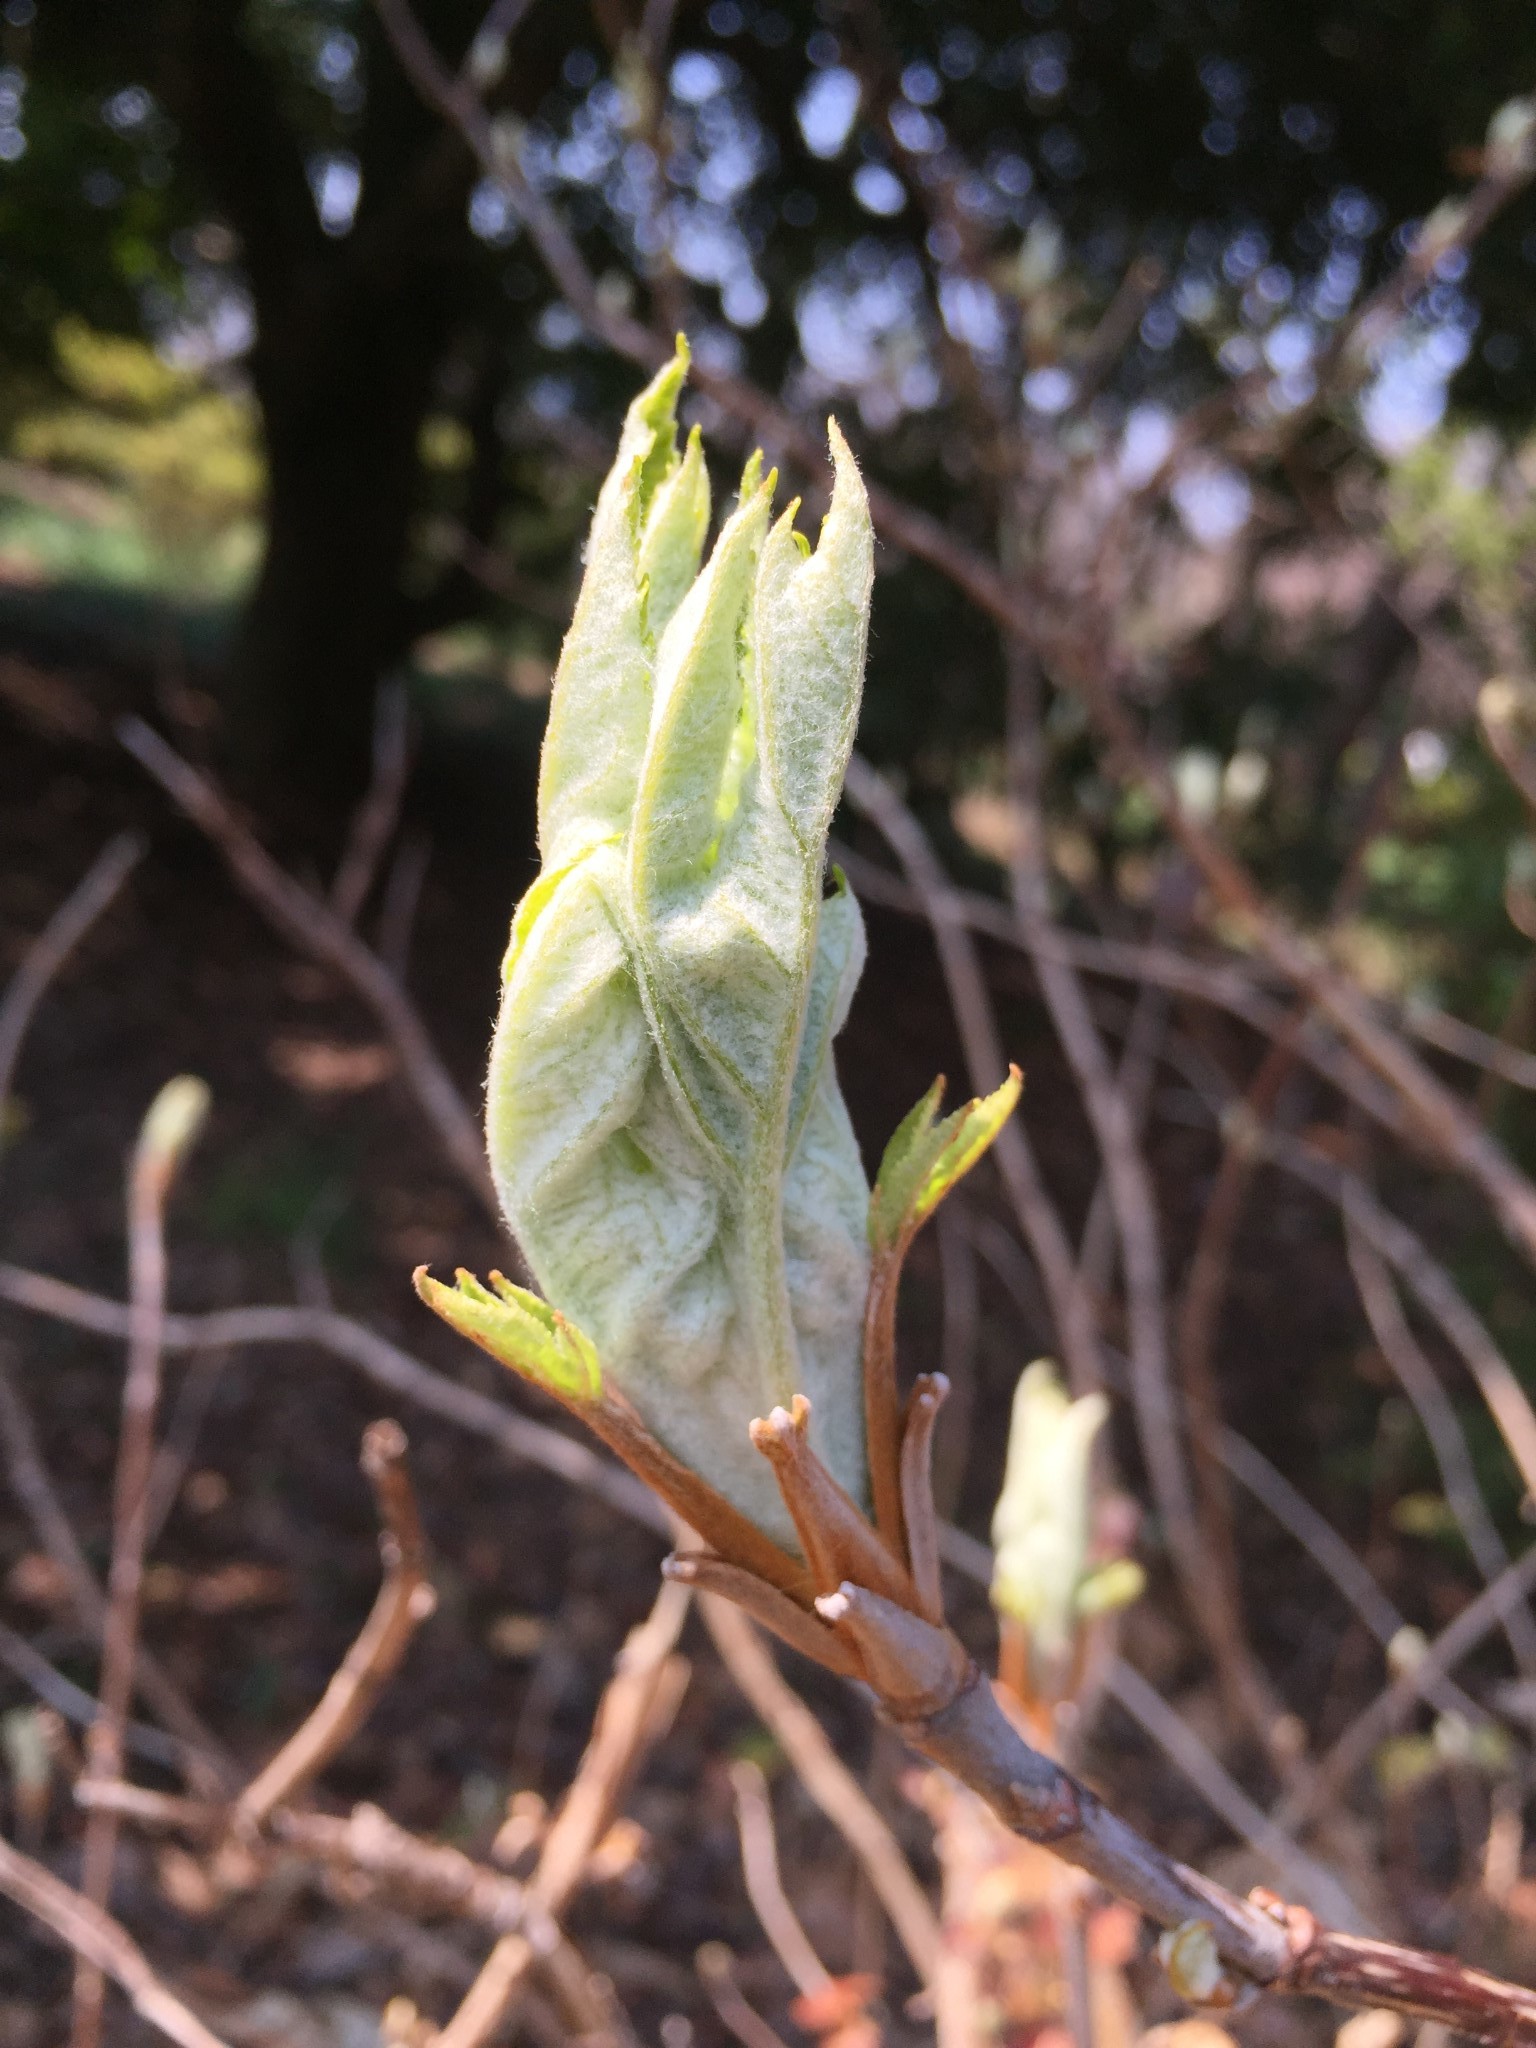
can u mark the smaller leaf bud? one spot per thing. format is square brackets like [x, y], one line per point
[171, 1128]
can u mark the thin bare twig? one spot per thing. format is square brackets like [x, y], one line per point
[384, 1364]
[366, 1844]
[1439, 1120]
[374, 821]
[641, 1695]
[32, 1483]
[96, 890]
[101, 1945]
[402, 896]
[169, 1129]
[1421, 1383]
[1238, 990]
[714, 1963]
[1207, 1570]
[765, 1887]
[310, 923]
[828, 1780]
[405, 1600]
[1322, 1542]
[1457, 1640]
[74, 1702]
[871, 795]
[1134, 1077]
[395, 1371]
[1431, 1286]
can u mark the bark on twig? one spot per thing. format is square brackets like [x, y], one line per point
[384, 1364]
[1282, 1948]
[405, 1600]
[97, 889]
[158, 1155]
[33, 1486]
[643, 1691]
[102, 1945]
[310, 923]
[828, 1781]
[1437, 1416]
[987, 1064]
[765, 1887]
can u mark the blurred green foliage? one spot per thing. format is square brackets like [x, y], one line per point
[179, 459]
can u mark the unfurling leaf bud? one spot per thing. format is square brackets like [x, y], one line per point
[1042, 1528]
[663, 1119]
[171, 1127]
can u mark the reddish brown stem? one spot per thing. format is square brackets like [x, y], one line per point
[882, 1431]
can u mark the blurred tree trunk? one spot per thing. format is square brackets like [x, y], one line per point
[352, 331]
[343, 415]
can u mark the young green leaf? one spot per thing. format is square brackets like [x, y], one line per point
[1041, 1526]
[517, 1328]
[925, 1158]
[642, 553]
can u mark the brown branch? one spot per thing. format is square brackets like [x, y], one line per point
[364, 1843]
[402, 896]
[1263, 1832]
[1328, 1550]
[714, 1963]
[1222, 985]
[1280, 1949]
[1189, 1755]
[871, 795]
[74, 1703]
[101, 1944]
[32, 1484]
[517, 1437]
[1440, 1121]
[310, 923]
[1206, 1570]
[405, 1600]
[384, 1364]
[828, 1780]
[1437, 1417]
[1457, 1640]
[901, 524]
[1428, 1281]
[96, 890]
[169, 1129]
[641, 1695]
[765, 1887]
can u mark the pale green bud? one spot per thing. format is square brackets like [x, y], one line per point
[1510, 150]
[1042, 1526]
[171, 1127]
[663, 1118]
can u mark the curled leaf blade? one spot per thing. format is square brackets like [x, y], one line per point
[926, 1157]
[519, 1330]
[647, 506]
